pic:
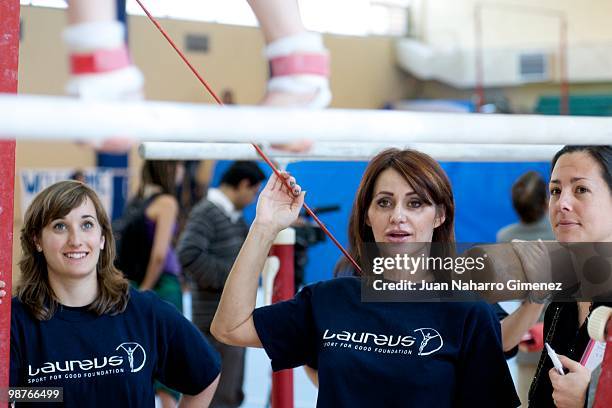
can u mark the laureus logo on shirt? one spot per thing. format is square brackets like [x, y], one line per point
[431, 341]
[424, 342]
[131, 355]
[136, 355]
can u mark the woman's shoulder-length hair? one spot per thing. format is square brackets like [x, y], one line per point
[34, 290]
[429, 181]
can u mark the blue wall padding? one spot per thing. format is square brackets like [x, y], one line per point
[482, 195]
[120, 181]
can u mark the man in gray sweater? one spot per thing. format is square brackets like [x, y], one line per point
[207, 249]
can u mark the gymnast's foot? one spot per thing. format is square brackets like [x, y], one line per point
[101, 69]
[299, 78]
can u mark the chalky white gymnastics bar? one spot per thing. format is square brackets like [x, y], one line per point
[44, 117]
[338, 151]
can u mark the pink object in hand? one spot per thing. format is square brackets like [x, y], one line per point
[533, 340]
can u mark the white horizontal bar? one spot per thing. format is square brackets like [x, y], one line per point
[334, 151]
[43, 117]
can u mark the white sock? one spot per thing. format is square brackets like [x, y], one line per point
[303, 42]
[81, 38]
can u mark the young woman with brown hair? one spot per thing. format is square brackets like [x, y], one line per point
[77, 324]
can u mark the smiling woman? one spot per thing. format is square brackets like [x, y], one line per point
[76, 324]
[63, 239]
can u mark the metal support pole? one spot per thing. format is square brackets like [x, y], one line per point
[9, 59]
[282, 381]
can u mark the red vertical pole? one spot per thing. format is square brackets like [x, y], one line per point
[603, 397]
[9, 58]
[284, 288]
[479, 57]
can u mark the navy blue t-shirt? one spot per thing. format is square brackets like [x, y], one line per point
[389, 354]
[111, 361]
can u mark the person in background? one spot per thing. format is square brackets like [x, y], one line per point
[78, 175]
[530, 201]
[227, 97]
[159, 181]
[210, 242]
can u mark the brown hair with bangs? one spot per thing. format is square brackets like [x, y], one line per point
[34, 291]
[427, 179]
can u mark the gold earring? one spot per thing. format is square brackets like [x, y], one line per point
[38, 248]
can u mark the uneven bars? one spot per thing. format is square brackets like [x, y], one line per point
[335, 151]
[43, 117]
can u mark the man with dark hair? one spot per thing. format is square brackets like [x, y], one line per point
[208, 246]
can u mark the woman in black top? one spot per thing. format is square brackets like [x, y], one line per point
[579, 209]
[372, 354]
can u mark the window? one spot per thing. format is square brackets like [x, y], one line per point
[390, 17]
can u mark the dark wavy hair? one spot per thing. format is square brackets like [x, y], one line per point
[34, 290]
[601, 154]
[161, 173]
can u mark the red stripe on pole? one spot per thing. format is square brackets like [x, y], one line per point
[283, 289]
[9, 58]
[9, 45]
[603, 398]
